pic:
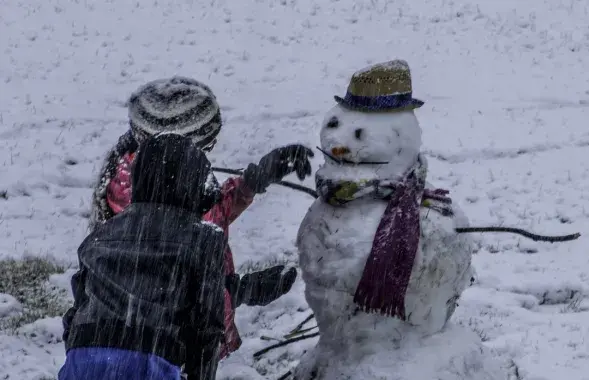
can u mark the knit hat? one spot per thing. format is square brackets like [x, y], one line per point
[383, 87]
[178, 104]
[170, 169]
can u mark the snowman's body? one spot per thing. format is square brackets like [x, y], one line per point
[334, 244]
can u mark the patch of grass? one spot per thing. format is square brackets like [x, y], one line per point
[574, 305]
[473, 324]
[26, 280]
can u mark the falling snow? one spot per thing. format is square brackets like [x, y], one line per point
[504, 128]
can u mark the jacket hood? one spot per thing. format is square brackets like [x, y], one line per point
[171, 170]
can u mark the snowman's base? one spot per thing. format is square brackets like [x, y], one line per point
[453, 354]
[238, 371]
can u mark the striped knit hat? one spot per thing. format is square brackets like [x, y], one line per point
[177, 104]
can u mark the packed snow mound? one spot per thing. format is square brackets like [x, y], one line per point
[455, 353]
[238, 372]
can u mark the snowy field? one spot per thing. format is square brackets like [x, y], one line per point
[506, 86]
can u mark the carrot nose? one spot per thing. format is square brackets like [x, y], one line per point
[340, 151]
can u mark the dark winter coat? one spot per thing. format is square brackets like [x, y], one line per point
[172, 307]
[112, 195]
[151, 278]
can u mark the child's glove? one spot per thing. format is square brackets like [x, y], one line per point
[260, 288]
[276, 165]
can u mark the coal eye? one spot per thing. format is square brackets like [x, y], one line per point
[358, 133]
[333, 123]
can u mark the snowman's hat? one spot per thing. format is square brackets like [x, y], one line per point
[383, 87]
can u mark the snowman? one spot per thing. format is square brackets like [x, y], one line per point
[382, 264]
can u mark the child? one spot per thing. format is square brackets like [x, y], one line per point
[149, 292]
[190, 108]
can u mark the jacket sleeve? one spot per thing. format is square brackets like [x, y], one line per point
[100, 210]
[236, 197]
[118, 190]
[206, 327]
[77, 283]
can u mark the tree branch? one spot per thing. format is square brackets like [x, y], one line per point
[519, 231]
[284, 343]
[300, 325]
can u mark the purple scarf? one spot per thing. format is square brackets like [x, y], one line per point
[387, 271]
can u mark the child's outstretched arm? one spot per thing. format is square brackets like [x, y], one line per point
[238, 193]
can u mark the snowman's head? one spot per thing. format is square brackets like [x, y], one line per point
[390, 140]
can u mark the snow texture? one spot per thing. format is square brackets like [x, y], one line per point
[335, 243]
[455, 353]
[374, 137]
[504, 128]
[161, 134]
[389, 65]
[212, 225]
[9, 306]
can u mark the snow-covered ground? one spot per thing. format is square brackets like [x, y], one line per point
[505, 127]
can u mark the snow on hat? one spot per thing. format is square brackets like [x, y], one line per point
[170, 169]
[177, 104]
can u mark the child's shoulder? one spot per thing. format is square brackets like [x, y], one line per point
[213, 231]
[214, 227]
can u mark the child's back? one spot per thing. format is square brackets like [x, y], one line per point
[151, 279]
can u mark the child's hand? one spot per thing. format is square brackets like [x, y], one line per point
[278, 164]
[263, 287]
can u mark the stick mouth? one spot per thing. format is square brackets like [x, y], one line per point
[344, 161]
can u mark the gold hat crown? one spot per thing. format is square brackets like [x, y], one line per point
[388, 78]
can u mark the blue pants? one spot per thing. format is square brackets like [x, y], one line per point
[95, 363]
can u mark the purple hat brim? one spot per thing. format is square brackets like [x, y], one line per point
[388, 103]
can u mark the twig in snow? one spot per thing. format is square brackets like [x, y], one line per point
[264, 337]
[285, 376]
[300, 325]
[299, 332]
[284, 343]
[519, 231]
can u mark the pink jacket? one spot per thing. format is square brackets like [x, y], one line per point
[236, 198]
